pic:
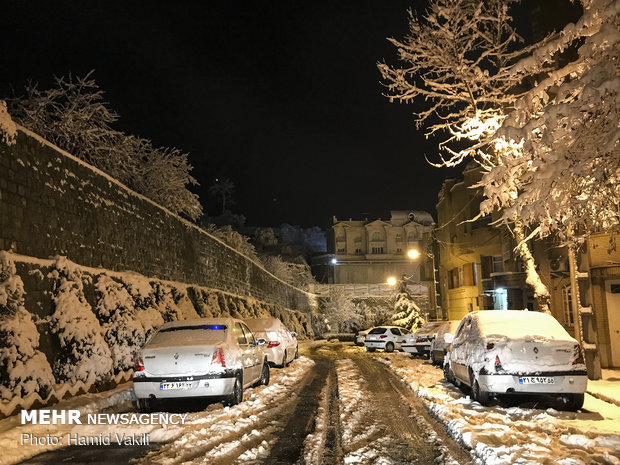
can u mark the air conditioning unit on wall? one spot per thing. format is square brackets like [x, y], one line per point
[558, 264]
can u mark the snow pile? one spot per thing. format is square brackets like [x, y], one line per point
[24, 370]
[523, 434]
[85, 355]
[8, 129]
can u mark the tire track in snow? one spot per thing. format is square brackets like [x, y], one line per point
[224, 435]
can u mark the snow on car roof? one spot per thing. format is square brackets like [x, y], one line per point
[264, 324]
[516, 324]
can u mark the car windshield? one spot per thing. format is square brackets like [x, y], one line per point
[182, 335]
[377, 331]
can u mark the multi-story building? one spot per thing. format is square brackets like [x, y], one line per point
[372, 251]
[478, 268]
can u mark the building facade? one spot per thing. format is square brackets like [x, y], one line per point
[372, 251]
[478, 268]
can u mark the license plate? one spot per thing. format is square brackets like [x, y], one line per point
[537, 380]
[175, 385]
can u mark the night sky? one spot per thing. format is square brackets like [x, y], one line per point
[283, 99]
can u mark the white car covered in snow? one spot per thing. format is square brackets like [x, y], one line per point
[419, 342]
[503, 352]
[209, 357]
[388, 338]
[439, 346]
[281, 347]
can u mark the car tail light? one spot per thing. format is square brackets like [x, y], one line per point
[272, 344]
[578, 355]
[218, 358]
[490, 345]
[382, 336]
[419, 340]
[498, 363]
[139, 366]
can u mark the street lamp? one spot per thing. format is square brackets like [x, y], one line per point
[413, 254]
[391, 281]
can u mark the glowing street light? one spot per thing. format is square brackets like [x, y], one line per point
[334, 261]
[391, 281]
[413, 254]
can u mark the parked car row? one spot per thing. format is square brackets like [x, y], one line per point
[497, 353]
[210, 358]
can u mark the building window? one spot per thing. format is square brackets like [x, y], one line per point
[568, 307]
[399, 237]
[340, 250]
[498, 264]
[377, 250]
[399, 250]
[358, 251]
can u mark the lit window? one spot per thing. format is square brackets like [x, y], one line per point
[377, 250]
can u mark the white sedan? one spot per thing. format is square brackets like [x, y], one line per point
[419, 342]
[281, 347]
[210, 357]
[388, 338]
[506, 352]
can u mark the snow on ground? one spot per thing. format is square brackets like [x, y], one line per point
[224, 433]
[11, 429]
[515, 435]
[246, 431]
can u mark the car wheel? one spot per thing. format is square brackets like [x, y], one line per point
[264, 376]
[144, 405]
[389, 347]
[572, 402]
[447, 373]
[237, 395]
[370, 349]
[283, 364]
[296, 352]
[480, 395]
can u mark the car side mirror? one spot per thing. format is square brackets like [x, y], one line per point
[448, 338]
[261, 342]
[294, 334]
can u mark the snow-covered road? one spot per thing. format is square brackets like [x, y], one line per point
[338, 404]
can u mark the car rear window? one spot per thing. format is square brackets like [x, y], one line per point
[183, 335]
[377, 331]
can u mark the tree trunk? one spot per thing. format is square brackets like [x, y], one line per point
[541, 293]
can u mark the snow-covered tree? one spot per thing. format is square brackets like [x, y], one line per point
[74, 116]
[407, 314]
[341, 312]
[546, 147]
[558, 152]
[235, 240]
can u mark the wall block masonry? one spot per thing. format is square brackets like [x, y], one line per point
[53, 204]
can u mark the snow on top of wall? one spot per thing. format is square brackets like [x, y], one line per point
[187, 223]
[8, 129]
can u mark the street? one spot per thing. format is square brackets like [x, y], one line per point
[339, 404]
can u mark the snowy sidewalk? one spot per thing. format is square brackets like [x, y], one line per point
[608, 388]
